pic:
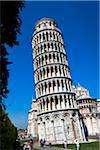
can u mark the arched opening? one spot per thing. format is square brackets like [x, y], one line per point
[49, 87]
[54, 84]
[43, 72]
[47, 36]
[58, 85]
[57, 58]
[50, 57]
[48, 45]
[45, 87]
[46, 58]
[62, 85]
[51, 104]
[42, 60]
[52, 45]
[40, 36]
[60, 70]
[55, 46]
[44, 47]
[43, 36]
[42, 88]
[53, 35]
[51, 71]
[50, 35]
[56, 102]
[47, 71]
[56, 70]
[40, 74]
[61, 101]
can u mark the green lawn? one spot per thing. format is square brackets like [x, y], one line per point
[85, 146]
[90, 146]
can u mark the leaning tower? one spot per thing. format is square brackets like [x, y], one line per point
[58, 115]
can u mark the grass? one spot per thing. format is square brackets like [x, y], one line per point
[90, 146]
[84, 146]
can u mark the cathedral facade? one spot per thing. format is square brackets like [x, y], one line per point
[55, 114]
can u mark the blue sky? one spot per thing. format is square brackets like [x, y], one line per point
[79, 24]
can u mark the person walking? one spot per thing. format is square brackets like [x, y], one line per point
[41, 143]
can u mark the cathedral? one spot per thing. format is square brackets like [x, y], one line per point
[60, 111]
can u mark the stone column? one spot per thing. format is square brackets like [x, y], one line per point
[59, 103]
[45, 105]
[63, 130]
[53, 129]
[63, 103]
[79, 127]
[82, 130]
[49, 105]
[44, 131]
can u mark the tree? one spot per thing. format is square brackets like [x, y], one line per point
[9, 28]
[8, 132]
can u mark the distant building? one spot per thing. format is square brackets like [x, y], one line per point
[90, 110]
[22, 133]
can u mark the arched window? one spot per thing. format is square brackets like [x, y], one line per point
[53, 56]
[61, 57]
[50, 35]
[54, 85]
[50, 23]
[53, 35]
[66, 85]
[42, 60]
[45, 86]
[57, 58]
[60, 70]
[49, 56]
[48, 45]
[57, 37]
[69, 100]
[46, 57]
[43, 36]
[55, 46]
[56, 69]
[45, 47]
[58, 84]
[51, 70]
[62, 85]
[56, 100]
[43, 72]
[58, 47]
[47, 71]
[42, 88]
[37, 39]
[40, 36]
[51, 102]
[49, 86]
[47, 36]
[41, 48]
[52, 45]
